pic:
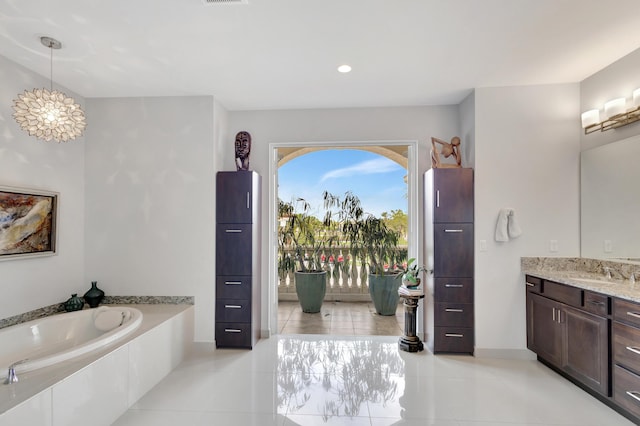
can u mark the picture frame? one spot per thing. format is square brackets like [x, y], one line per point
[28, 222]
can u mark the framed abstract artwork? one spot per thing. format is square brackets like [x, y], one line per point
[27, 222]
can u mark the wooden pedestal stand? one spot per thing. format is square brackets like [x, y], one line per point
[409, 342]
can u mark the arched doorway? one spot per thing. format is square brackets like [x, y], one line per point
[401, 152]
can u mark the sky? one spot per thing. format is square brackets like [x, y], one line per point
[376, 180]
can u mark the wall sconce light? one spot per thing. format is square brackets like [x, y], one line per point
[616, 114]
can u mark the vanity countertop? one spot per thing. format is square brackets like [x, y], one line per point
[621, 288]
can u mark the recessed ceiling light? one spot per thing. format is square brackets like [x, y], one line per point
[344, 68]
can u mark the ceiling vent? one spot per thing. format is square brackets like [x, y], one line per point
[212, 2]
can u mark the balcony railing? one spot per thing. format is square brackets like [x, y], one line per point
[343, 284]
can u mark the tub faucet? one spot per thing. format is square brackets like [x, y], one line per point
[12, 377]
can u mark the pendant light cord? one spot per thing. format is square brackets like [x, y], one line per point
[51, 67]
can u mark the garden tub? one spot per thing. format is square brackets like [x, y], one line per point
[47, 341]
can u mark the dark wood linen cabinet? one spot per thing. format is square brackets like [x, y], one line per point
[238, 277]
[449, 253]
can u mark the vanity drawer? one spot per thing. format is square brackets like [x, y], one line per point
[597, 303]
[233, 287]
[457, 290]
[233, 335]
[453, 315]
[563, 293]
[626, 390]
[626, 346]
[453, 339]
[233, 310]
[533, 284]
[626, 312]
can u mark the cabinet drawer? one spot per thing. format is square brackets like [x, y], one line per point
[626, 312]
[232, 310]
[233, 335]
[626, 390]
[453, 315]
[626, 346]
[597, 303]
[457, 290]
[453, 339]
[533, 284]
[563, 293]
[233, 287]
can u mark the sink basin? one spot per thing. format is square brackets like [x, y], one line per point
[592, 280]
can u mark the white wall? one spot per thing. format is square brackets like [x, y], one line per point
[324, 125]
[467, 111]
[527, 157]
[29, 284]
[150, 198]
[618, 80]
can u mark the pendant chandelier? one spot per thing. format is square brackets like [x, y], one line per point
[49, 114]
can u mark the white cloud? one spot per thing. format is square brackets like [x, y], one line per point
[376, 166]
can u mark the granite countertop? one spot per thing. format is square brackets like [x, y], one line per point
[616, 287]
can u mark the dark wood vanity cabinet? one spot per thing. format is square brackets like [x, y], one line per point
[626, 355]
[449, 313]
[237, 259]
[568, 328]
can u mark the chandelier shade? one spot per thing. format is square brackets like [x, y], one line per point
[49, 114]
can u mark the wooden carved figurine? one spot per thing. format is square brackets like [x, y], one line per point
[447, 149]
[243, 149]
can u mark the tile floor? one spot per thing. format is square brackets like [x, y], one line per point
[358, 380]
[339, 319]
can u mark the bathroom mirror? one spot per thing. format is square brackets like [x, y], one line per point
[610, 201]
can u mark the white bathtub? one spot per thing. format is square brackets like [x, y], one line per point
[57, 338]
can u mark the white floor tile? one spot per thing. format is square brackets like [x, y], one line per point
[350, 380]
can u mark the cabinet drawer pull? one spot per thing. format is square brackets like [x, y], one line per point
[530, 284]
[438, 198]
[453, 230]
[233, 306]
[248, 200]
[554, 314]
[453, 335]
[633, 349]
[634, 394]
[634, 314]
[232, 330]
[596, 302]
[233, 231]
[233, 283]
[453, 310]
[454, 285]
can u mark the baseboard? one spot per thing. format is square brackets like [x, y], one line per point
[522, 354]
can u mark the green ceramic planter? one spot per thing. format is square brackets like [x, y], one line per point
[311, 288]
[384, 293]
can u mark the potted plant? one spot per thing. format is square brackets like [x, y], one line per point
[373, 244]
[303, 240]
[410, 273]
